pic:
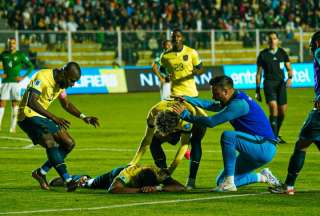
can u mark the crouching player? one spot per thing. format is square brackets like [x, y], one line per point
[163, 125]
[130, 179]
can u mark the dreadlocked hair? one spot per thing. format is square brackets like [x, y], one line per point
[166, 121]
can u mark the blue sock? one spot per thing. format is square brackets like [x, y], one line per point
[57, 161]
[47, 165]
[196, 153]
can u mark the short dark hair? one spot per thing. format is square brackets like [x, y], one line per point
[166, 121]
[146, 177]
[221, 81]
[164, 42]
[271, 33]
[72, 66]
[177, 30]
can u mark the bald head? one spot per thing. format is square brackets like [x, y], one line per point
[71, 74]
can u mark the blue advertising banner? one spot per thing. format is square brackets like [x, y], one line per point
[244, 76]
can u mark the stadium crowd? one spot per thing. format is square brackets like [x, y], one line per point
[109, 15]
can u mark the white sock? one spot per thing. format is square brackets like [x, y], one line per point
[42, 171]
[14, 116]
[261, 178]
[89, 182]
[1, 114]
[229, 179]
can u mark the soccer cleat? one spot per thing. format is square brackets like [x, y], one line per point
[191, 184]
[83, 181]
[280, 140]
[270, 178]
[226, 187]
[282, 189]
[56, 182]
[187, 154]
[37, 175]
[72, 185]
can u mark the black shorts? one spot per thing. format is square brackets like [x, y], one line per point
[275, 91]
[311, 128]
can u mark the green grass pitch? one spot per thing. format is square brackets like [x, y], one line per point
[122, 118]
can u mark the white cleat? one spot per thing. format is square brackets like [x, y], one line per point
[226, 187]
[270, 178]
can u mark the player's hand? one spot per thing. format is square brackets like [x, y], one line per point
[61, 122]
[148, 189]
[92, 120]
[289, 83]
[18, 79]
[178, 108]
[162, 80]
[178, 98]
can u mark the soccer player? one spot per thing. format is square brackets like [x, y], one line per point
[12, 61]
[130, 179]
[47, 129]
[272, 61]
[182, 63]
[251, 145]
[163, 77]
[310, 130]
[164, 126]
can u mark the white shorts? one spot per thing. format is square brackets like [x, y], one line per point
[165, 90]
[10, 91]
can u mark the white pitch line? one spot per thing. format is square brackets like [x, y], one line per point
[15, 138]
[133, 204]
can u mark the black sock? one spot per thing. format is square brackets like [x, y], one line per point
[274, 124]
[295, 166]
[57, 161]
[280, 120]
[195, 157]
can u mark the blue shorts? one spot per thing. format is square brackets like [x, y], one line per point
[36, 127]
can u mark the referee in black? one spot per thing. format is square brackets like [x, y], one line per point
[272, 61]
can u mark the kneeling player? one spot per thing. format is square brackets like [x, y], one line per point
[163, 125]
[130, 179]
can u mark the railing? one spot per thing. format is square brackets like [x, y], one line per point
[103, 48]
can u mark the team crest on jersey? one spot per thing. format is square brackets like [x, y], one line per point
[185, 57]
[37, 83]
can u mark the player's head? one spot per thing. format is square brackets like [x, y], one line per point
[222, 88]
[166, 122]
[11, 44]
[314, 41]
[71, 74]
[147, 177]
[177, 38]
[166, 44]
[273, 40]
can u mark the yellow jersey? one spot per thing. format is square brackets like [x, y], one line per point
[179, 65]
[129, 175]
[167, 105]
[44, 84]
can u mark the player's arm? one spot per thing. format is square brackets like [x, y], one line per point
[3, 75]
[172, 185]
[33, 97]
[155, 69]
[197, 64]
[73, 110]
[185, 140]
[258, 78]
[289, 70]
[210, 105]
[235, 109]
[26, 61]
[144, 144]
[118, 187]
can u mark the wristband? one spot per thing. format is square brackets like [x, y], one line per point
[82, 116]
[159, 187]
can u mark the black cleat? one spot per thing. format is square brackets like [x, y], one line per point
[37, 175]
[56, 182]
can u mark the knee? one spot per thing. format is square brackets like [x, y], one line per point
[69, 144]
[228, 138]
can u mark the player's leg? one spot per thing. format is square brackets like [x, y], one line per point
[157, 152]
[66, 144]
[271, 97]
[15, 97]
[254, 151]
[282, 108]
[103, 181]
[196, 153]
[4, 96]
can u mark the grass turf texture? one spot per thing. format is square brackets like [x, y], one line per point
[122, 118]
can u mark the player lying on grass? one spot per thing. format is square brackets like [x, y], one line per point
[310, 131]
[129, 179]
[163, 125]
[249, 146]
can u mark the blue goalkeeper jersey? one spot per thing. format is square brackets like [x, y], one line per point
[316, 66]
[241, 111]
